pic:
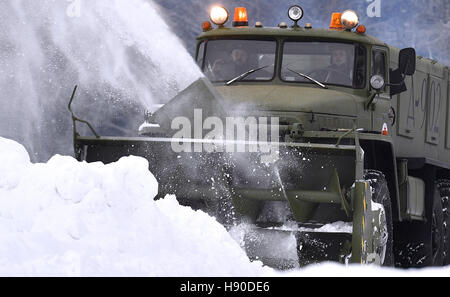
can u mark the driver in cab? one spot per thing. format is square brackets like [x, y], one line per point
[339, 72]
[235, 64]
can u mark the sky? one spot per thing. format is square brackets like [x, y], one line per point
[422, 24]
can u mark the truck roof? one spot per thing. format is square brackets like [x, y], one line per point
[277, 32]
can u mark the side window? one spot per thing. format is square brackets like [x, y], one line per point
[200, 54]
[379, 63]
[359, 80]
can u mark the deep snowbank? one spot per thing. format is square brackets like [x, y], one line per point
[69, 218]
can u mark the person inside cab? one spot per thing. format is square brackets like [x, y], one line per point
[239, 59]
[339, 71]
[235, 63]
[228, 59]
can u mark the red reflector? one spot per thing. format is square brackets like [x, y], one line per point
[361, 29]
[206, 26]
[385, 130]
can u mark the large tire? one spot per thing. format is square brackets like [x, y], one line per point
[421, 243]
[437, 231]
[380, 194]
[444, 193]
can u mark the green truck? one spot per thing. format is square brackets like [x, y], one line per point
[328, 144]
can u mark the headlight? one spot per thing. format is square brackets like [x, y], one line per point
[349, 19]
[219, 15]
[295, 13]
[377, 82]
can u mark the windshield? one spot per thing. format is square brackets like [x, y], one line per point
[329, 63]
[225, 60]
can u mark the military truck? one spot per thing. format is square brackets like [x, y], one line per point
[326, 144]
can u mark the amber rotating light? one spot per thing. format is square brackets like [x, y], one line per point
[240, 17]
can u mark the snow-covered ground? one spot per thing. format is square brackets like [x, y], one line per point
[69, 218]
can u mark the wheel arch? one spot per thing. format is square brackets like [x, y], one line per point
[380, 155]
[430, 172]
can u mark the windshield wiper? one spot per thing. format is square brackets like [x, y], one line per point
[309, 78]
[245, 74]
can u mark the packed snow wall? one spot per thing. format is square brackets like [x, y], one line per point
[69, 218]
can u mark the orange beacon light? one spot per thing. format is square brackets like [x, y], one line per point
[240, 17]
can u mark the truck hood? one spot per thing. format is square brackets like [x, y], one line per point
[287, 98]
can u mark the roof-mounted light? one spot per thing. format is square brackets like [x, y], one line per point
[206, 26]
[219, 15]
[349, 19]
[240, 17]
[361, 29]
[295, 13]
[336, 21]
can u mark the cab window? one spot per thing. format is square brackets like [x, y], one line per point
[379, 63]
[200, 54]
[227, 59]
[329, 63]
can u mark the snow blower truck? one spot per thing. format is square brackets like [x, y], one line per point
[328, 144]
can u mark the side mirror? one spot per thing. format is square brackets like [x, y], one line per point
[407, 61]
[406, 66]
[397, 82]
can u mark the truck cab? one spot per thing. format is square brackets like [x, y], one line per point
[300, 71]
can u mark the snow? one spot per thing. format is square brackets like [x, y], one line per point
[144, 127]
[121, 53]
[335, 227]
[70, 218]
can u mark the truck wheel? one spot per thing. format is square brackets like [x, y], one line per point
[437, 238]
[444, 191]
[380, 194]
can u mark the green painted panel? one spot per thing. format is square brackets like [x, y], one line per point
[435, 109]
[412, 105]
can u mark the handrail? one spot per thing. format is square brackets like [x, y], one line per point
[75, 118]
